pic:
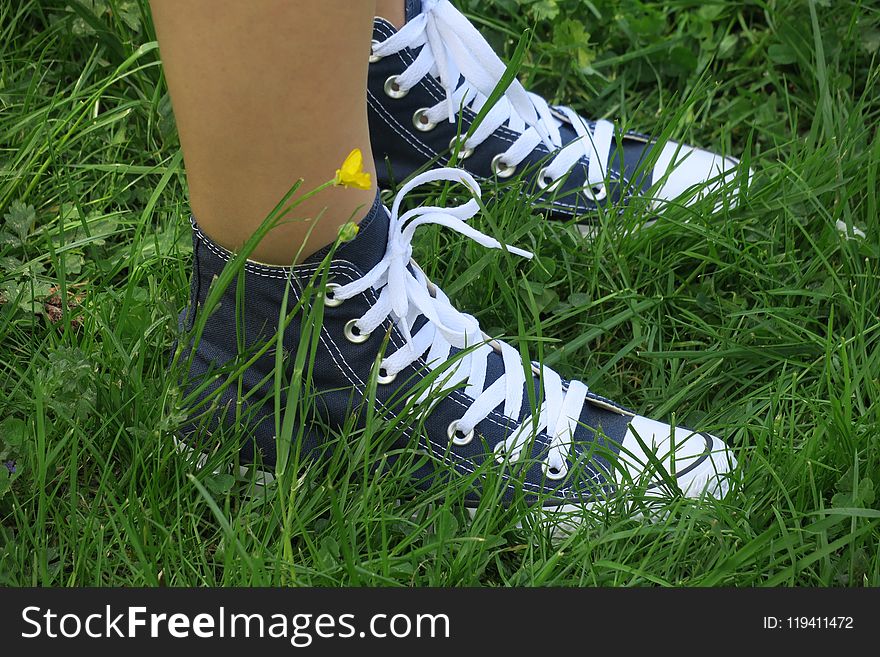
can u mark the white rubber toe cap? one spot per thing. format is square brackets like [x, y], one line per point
[699, 463]
[681, 167]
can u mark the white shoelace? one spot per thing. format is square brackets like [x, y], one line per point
[453, 49]
[405, 293]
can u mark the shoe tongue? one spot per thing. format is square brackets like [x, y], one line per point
[368, 247]
[412, 8]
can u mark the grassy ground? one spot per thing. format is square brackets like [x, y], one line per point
[759, 323]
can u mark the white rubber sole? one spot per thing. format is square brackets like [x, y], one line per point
[707, 479]
[199, 460]
[589, 231]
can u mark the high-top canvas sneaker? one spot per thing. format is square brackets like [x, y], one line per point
[472, 400]
[428, 82]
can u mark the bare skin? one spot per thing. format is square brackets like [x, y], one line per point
[267, 92]
[392, 11]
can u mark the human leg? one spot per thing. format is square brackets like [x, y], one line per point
[386, 330]
[265, 93]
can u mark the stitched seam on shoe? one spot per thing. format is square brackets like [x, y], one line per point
[455, 396]
[422, 148]
[401, 131]
[508, 135]
[259, 270]
[360, 386]
[438, 93]
[330, 344]
[419, 146]
[395, 125]
[278, 272]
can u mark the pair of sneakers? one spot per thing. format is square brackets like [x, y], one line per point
[385, 343]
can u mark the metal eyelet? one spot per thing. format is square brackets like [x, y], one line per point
[463, 153]
[351, 336]
[456, 436]
[500, 453]
[393, 90]
[421, 122]
[374, 58]
[545, 184]
[385, 378]
[598, 191]
[554, 473]
[331, 301]
[500, 169]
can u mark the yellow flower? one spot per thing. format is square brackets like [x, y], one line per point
[352, 173]
[348, 231]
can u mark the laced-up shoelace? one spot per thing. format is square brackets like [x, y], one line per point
[456, 54]
[405, 294]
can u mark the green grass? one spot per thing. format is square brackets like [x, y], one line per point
[759, 323]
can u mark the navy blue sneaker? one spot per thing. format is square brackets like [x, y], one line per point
[470, 401]
[429, 80]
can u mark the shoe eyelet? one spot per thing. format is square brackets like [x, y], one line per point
[500, 169]
[421, 122]
[387, 196]
[386, 378]
[393, 90]
[374, 58]
[598, 191]
[331, 301]
[463, 153]
[500, 453]
[351, 336]
[456, 436]
[545, 182]
[552, 472]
